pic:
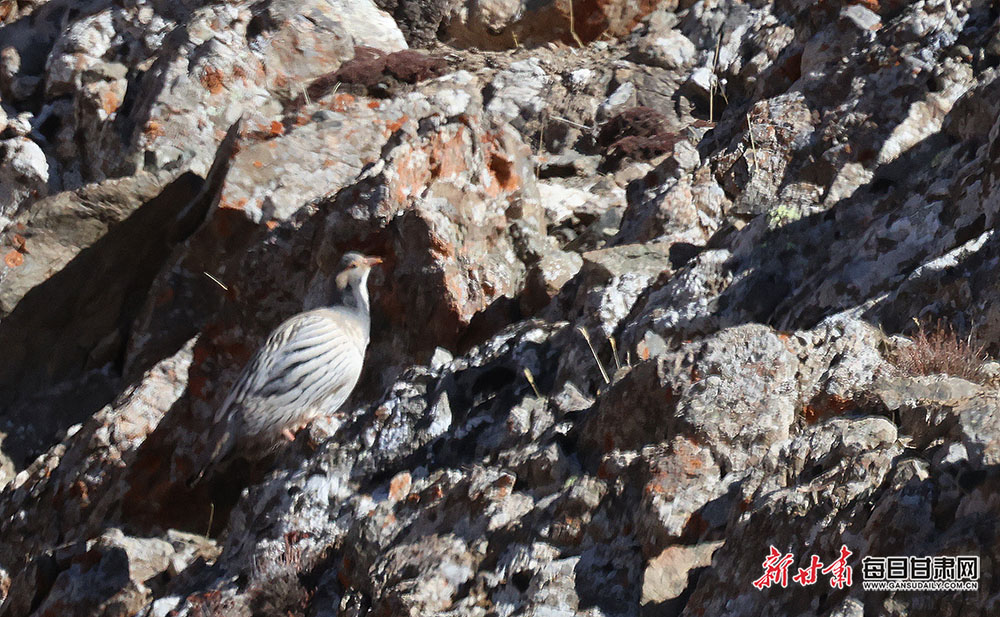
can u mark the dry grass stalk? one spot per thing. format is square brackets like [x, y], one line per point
[711, 86]
[531, 380]
[216, 281]
[753, 144]
[939, 350]
[586, 337]
[614, 350]
[572, 26]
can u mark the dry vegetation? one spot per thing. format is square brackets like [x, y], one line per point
[938, 349]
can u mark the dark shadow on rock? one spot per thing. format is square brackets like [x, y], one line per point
[101, 573]
[851, 252]
[484, 394]
[34, 34]
[156, 493]
[963, 294]
[486, 323]
[71, 328]
[845, 249]
[65, 341]
[605, 578]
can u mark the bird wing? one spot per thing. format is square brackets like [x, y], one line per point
[310, 358]
[310, 362]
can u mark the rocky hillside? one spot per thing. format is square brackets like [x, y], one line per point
[666, 284]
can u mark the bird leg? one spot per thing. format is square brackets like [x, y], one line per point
[288, 434]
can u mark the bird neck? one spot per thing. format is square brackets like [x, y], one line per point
[355, 299]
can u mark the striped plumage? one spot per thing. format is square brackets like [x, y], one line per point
[307, 366]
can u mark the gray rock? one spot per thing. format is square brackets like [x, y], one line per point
[20, 125]
[621, 98]
[518, 93]
[978, 424]
[666, 576]
[669, 50]
[700, 82]
[24, 172]
[406, 585]
[366, 24]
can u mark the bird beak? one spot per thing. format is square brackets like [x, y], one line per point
[373, 261]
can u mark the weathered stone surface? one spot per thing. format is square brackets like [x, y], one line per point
[505, 24]
[86, 501]
[24, 174]
[667, 575]
[66, 336]
[667, 49]
[54, 231]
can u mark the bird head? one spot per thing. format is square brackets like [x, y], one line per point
[352, 280]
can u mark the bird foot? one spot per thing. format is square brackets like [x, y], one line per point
[289, 435]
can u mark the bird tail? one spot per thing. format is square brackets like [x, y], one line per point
[222, 454]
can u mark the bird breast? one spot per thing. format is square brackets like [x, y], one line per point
[308, 366]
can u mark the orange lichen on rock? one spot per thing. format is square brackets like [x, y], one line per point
[341, 102]
[13, 258]
[502, 169]
[441, 157]
[110, 102]
[154, 129]
[686, 460]
[411, 176]
[447, 156]
[280, 81]
[441, 247]
[212, 79]
[399, 486]
[501, 177]
[395, 125]
[825, 406]
[239, 204]
[80, 490]
[872, 5]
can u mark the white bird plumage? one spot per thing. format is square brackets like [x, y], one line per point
[308, 365]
